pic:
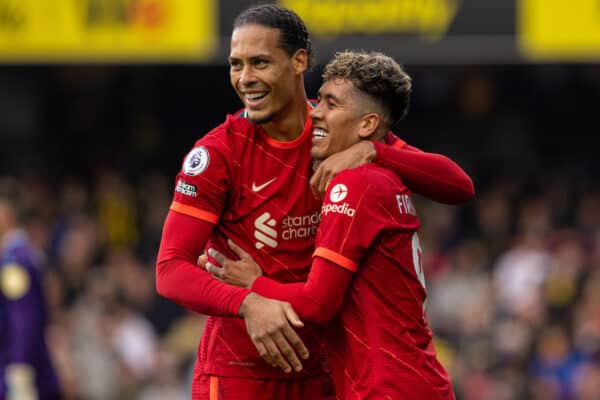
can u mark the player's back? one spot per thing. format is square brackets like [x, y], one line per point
[381, 338]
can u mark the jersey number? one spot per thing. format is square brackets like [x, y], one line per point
[417, 253]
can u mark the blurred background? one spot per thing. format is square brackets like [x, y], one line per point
[101, 99]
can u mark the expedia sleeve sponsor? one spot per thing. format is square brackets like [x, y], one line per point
[344, 209]
[337, 194]
[186, 189]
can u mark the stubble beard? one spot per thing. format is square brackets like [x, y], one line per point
[316, 160]
[263, 120]
[316, 163]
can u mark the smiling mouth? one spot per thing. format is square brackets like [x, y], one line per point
[254, 97]
[319, 134]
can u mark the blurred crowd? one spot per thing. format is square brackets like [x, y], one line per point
[110, 335]
[513, 278]
[513, 282]
[514, 297]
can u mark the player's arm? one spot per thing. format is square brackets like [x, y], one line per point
[429, 174]
[432, 175]
[316, 300]
[202, 187]
[268, 321]
[180, 280]
[25, 322]
[319, 298]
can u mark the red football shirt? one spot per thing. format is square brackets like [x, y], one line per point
[256, 191]
[238, 183]
[379, 343]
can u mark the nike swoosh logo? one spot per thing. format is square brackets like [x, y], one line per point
[261, 187]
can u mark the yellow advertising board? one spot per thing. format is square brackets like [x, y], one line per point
[556, 30]
[428, 19]
[107, 30]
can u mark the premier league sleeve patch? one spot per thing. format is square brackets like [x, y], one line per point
[196, 161]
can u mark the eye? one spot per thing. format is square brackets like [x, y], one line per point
[260, 63]
[235, 64]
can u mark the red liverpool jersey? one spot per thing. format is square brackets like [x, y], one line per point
[379, 344]
[256, 190]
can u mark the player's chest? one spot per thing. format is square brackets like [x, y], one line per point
[273, 199]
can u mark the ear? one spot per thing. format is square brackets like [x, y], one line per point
[300, 61]
[368, 125]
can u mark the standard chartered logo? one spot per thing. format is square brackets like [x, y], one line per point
[301, 226]
[292, 227]
[264, 233]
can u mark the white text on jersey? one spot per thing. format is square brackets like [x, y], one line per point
[292, 227]
[405, 204]
[338, 208]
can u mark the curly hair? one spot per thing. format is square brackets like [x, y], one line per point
[294, 35]
[376, 75]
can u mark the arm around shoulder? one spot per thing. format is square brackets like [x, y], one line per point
[429, 174]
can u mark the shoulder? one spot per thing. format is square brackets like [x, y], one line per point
[219, 145]
[370, 176]
[367, 186]
[234, 126]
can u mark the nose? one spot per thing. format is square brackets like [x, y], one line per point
[247, 76]
[316, 112]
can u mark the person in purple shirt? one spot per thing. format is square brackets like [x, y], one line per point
[26, 371]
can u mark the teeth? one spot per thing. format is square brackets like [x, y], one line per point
[319, 133]
[255, 96]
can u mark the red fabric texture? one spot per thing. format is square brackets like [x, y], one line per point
[179, 279]
[432, 175]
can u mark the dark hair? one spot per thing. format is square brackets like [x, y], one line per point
[378, 76]
[294, 35]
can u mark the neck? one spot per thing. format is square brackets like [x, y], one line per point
[381, 134]
[289, 124]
